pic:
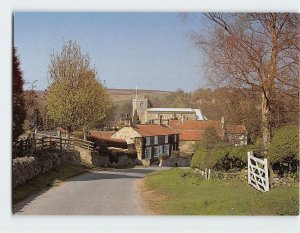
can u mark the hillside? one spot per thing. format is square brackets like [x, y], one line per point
[122, 95]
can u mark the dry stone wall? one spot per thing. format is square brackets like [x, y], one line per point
[176, 162]
[110, 157]
[26, 168]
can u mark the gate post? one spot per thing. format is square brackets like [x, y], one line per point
[250, 153]
[266, 174]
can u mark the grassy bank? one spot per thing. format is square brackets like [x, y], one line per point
[183, 193]
[49, 179]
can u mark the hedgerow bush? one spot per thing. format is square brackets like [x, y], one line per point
[284, 149]
[163, 156]
[200, 159]
[222, 157]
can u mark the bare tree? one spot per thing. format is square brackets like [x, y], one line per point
[254, 51]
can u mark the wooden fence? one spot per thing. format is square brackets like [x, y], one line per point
[41, 141]
[258, 175]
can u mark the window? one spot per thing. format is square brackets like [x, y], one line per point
[175, 138]
[155, 140]
[156, 151]
[166, 149]
[160, 149]
[166, 139]
[148, 153]
[148, 141]
[174, 147]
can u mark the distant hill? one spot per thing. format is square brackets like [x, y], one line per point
[120, 95]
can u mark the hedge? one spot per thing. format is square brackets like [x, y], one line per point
[284, 149]
[221, 158]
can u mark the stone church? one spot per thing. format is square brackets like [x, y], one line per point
[156, 115]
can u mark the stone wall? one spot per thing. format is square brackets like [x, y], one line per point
[109, 157]
[187, 146]
[176, 162]
[243, 176]
[126, 133]
[86, 156]
[25, 168]
[139, 148]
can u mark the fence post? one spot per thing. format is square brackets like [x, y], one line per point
[33, 144]
[60, 140]
[266, 174]
[206, 173]
[208, 177]
[42, 143]
[250, 153]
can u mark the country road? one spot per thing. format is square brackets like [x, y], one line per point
[111, 192]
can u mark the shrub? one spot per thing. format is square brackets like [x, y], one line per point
[175, 153]
[200, 159]
[238, 153]
[210, 139]
[284, 149]
[221, 158]
[163, 156]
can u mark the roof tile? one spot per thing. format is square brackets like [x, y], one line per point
[153, 130]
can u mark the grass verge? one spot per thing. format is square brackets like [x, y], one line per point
[51, 178]
[184, 193]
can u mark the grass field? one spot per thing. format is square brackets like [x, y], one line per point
[183, 193]
[49, 179]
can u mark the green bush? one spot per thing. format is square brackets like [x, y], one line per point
[284, 149]
[238, 153]
[219, 158]
[175, 153]
[199, 159]
[163, 156]
[210, 139]
[223, 157]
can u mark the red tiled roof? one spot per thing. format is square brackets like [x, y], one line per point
[102, 134]
[114, 140]
[193, 130]
[153, 130]
[236, 129]
[195, 125]
[62, 130]
[191, 135]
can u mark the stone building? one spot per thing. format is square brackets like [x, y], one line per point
[149, 140]
[154, 115]
[140, 104]
[192, 131]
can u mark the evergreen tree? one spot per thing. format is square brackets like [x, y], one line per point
[18, 98]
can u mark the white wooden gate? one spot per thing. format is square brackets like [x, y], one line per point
[258, 175]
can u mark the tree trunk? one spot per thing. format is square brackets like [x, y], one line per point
[85, 131]
[266, 124]
[68, 132]
[266, 131]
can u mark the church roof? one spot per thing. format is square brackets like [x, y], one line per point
[171, 110]
[199, 114]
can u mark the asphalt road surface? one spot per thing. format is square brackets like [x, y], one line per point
[112, 192]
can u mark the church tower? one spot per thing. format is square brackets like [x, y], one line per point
[140, 104]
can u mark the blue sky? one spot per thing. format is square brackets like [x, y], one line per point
[148, 50]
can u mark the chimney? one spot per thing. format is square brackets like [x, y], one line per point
[182, 118]
[128, 121]
[160, 119]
